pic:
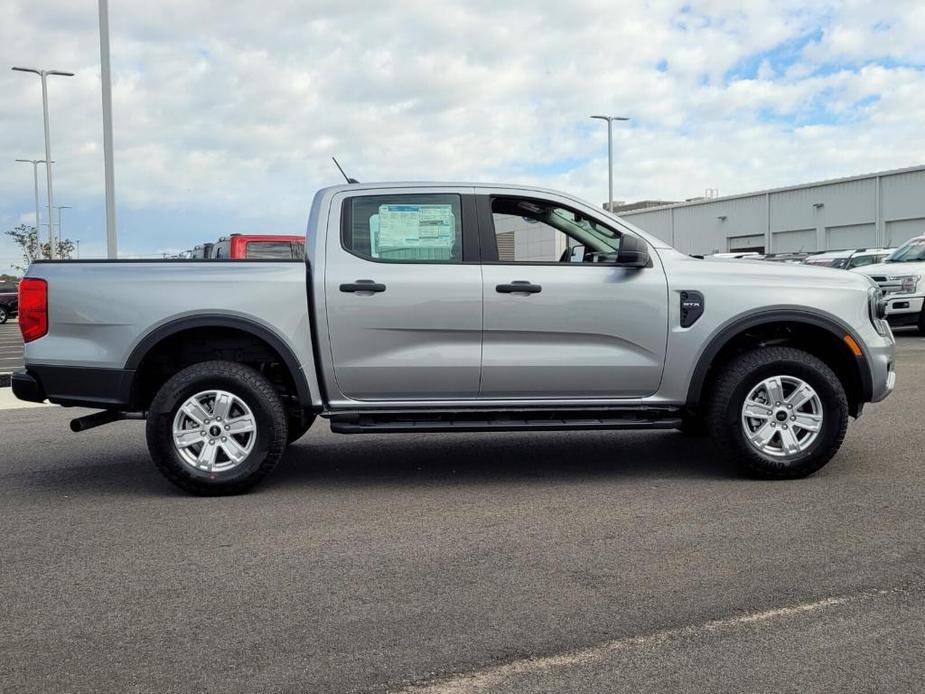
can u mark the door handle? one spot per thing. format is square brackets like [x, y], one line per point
[362, 286]
[518, 287]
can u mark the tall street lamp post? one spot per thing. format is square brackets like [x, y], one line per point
[610, 120]
[51, 196]
[60, 230]
[35, 177]
[112, 246]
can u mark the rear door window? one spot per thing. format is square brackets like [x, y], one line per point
[407, 228]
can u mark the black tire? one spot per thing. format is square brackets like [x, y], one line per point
[922, 321]
[737, 379]
[299, 424]
[255, 391]
[4, 316]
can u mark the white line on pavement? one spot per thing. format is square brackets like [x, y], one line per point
[492, 677]
[8, 401]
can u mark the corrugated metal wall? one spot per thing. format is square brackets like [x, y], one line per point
[877, 210]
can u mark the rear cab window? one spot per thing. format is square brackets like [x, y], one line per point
[269, 250]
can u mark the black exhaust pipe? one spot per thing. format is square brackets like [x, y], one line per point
[98, 419]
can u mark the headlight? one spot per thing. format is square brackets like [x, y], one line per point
[908, 284]
[876, 308]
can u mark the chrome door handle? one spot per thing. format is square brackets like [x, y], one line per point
[518, 287]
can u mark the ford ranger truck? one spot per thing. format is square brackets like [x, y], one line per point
[900, 278]
[425, 307]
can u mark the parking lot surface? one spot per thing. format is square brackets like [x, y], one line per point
[509, 562]
[10, 347]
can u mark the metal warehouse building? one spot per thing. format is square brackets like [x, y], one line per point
[873, 210]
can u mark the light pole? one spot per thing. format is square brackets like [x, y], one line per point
[51, 195]
[59, 208]
[35, 176]
[112, 248]
[610, 120]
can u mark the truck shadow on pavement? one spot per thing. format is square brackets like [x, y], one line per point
[322, 460]
[504, 457]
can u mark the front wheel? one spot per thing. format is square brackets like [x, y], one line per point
[779, 412]
[216, 427]
[4, 316]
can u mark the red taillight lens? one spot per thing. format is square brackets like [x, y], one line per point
[33, 309]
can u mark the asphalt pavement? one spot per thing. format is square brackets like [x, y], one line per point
[11, 348]
[518, 562]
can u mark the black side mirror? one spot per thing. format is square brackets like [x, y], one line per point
[633, 252]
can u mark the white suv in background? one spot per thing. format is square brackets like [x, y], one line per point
[900, 278]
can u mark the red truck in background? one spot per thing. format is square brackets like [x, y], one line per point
[259, 247]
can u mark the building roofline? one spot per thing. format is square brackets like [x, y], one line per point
[783, 189]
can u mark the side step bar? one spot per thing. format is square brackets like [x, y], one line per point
[502, 421]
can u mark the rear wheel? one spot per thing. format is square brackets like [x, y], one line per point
[779, 412]
[4, 316]
[216, 427]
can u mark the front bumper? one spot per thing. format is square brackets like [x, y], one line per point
[881, 360]
[903, 310]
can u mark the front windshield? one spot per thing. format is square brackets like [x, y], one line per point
[911, 252]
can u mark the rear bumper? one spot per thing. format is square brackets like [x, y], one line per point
[25, 387]
[74, 386]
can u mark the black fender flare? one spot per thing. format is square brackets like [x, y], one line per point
[221, 320]
[800, 314]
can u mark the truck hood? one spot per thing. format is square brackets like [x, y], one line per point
[767, 274]
[893, 269]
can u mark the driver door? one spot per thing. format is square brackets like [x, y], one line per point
[561, 319]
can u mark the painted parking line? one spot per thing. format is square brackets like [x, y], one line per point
[495, 677]
[8, 401]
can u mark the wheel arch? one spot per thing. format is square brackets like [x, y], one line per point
[171, 329]
[815, 331]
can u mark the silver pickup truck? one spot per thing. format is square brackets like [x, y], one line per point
[456, 307]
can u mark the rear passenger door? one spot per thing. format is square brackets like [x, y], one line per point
[403, 292]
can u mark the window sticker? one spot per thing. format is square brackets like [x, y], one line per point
[398, 228]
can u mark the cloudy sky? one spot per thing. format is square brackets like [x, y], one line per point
[227, 113]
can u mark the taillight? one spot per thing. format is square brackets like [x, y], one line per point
[33, 308]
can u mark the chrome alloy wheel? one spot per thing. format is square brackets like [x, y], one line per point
[214, 431]
[782, 416]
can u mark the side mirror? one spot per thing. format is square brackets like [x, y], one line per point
[633, 252]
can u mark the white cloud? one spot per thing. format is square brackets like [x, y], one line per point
[236, 106]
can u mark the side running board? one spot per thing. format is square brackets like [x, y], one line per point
[382, 422]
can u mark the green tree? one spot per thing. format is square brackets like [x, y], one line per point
[32, 248]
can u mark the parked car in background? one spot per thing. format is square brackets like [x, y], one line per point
[203, 250]
[792, 258]
[744, 255]
[259, 247]
[9, 302]
[848, 259]
[900, 277]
